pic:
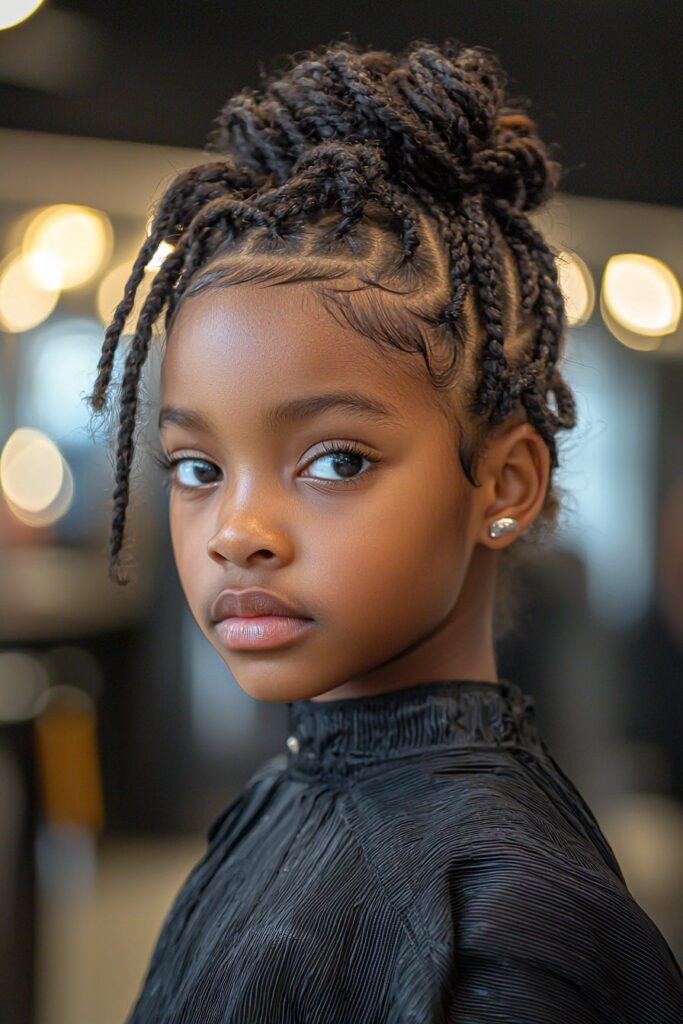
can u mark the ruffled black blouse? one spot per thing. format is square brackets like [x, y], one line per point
[411, 858]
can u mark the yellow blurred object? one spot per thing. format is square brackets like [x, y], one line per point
[68, 759]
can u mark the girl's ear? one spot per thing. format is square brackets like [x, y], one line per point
[514, 474]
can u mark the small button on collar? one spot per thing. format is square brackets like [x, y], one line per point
[293, 744]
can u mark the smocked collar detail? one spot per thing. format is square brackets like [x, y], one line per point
[339, 736]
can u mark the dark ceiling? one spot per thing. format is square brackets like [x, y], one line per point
[604, 77]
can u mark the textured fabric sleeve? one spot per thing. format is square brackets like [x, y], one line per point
[543, 940]
[517, 911]
[510, 990]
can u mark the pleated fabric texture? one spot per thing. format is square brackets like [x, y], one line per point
[415, 857]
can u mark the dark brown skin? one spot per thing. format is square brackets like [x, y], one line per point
[397, 568]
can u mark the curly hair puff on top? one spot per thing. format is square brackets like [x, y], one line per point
[406, 173]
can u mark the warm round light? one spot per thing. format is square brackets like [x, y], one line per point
[77, 239]
[31, 470]
[110, 293]
[23, 302]
[576, 284]
[642, 294]
[13, 12]
[635, 340]
[52, 512]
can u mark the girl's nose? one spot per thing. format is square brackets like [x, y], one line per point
[243, 536]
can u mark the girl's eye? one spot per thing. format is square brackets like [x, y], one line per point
[344, 466]
[167, 465]
[345, 458]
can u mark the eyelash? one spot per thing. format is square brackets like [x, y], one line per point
[167, 464]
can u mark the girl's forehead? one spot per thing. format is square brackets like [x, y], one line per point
[278, 338]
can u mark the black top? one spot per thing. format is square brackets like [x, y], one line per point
[413, 857]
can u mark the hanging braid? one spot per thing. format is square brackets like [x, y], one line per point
[403, 173]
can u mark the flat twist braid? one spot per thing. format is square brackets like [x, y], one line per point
[186, 195]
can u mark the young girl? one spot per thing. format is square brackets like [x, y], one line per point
[360, 395]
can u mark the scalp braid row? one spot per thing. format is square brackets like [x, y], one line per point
[421, 132]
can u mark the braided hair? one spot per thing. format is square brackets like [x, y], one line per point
[406, 173]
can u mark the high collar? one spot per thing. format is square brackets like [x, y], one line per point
[335, 737]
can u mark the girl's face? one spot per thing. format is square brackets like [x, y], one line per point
[382, 546]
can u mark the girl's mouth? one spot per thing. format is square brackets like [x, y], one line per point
[257, 632]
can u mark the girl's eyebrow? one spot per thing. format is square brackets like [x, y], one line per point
[291, 411]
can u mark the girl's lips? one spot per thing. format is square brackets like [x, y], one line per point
[260, 631]
[254, 601]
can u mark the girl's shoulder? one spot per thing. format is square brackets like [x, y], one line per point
[503, 877]
[489, 799]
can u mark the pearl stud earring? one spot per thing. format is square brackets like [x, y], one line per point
[502, 525]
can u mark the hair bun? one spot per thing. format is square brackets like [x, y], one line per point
[516, 166]
[436, 112]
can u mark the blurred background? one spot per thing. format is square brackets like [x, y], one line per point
[122, 733]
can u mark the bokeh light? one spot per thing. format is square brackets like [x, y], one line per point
[159, 256]
[24, 303]
[35, 478]
[111, 290]
[162, 252]
[641, 294]
[576, 284]
[13, 12]
[68, 242]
